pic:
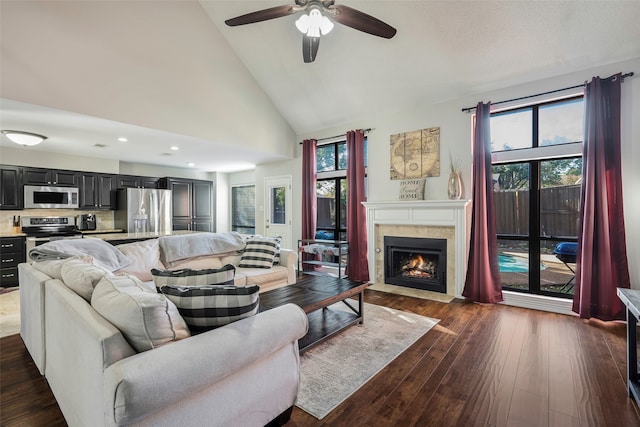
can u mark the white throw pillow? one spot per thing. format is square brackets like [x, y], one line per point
[144, 256]
[146, 319]
[81, 277]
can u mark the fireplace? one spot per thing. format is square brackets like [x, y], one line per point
[419, 263]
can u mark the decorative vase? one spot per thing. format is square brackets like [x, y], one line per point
[454, 189]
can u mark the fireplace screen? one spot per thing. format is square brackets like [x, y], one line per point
[419, 263]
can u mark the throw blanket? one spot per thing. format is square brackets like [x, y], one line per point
[103, 253]
[176, 248]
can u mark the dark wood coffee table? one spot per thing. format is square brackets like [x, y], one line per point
[314, 294]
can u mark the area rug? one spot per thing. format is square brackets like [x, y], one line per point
[335, 369]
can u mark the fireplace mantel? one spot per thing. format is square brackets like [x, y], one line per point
[434, 213]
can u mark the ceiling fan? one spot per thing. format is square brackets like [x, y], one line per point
[317, 23]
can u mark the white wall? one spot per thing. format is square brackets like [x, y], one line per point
[455, 135]
[163, 66]
[223, 203]
[23, 156]
[289, 167]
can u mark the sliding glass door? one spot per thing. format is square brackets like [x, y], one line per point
[537, 171]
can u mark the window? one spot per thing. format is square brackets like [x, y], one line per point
[331, 190]
[537, 171]
[243, 209]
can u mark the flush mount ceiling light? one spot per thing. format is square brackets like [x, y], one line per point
[24, 138]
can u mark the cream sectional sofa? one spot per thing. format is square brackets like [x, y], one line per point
[243, 374]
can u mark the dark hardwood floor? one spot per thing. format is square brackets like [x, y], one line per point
[482, 365]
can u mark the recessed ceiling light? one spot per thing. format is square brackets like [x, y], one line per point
[174, 148]
[122, 139]
[100, 145]
[167, 154]
[191, 164]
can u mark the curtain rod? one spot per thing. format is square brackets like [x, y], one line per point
[338, 136]
[469, 109]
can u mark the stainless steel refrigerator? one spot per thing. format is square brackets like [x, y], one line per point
[143, 210]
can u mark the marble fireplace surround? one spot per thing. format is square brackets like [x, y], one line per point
[437, 219]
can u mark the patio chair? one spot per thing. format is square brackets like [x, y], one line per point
[566, 252]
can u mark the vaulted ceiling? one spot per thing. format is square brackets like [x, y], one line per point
[166, 73]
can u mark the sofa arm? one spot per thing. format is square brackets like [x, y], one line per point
[32, 324]
[289, 259]
[137, 386]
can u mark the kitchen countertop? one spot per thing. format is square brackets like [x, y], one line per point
[102, 231]
[11, 233]
[131, 236]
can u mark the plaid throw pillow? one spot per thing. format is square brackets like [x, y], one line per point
[259, 253]
[208, 307]
[190, 277]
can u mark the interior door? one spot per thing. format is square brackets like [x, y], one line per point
[278, 209]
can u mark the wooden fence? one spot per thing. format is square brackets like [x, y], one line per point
[559, 208]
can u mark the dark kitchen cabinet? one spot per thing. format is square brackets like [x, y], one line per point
[132, 181]
[128, 181]
[12, 253]
[149, 181]
[11, 193]
[60, 178]
[192, 203]
[97, 191]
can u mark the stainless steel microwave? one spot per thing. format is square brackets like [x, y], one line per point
[44, 197]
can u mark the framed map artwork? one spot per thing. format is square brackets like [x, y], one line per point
[415, 154]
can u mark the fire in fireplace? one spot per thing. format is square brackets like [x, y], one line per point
[419, 263]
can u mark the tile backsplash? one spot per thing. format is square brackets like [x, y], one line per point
[104, 218]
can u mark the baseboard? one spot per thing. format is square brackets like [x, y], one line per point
[538, 302]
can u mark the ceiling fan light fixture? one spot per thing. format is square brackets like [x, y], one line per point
[314, 24]
[24, 138]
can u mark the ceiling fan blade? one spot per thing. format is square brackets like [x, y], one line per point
[261, 15]
[361, 21]
[310, 48]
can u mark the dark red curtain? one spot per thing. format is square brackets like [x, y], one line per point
[482, 283]
[357, 266]
[601, 264]
[309, 205]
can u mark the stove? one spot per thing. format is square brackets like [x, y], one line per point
[49, 226]
[44, 229]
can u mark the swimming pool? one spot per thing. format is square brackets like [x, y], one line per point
[512, 264]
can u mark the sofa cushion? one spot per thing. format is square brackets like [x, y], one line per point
[53, 267]
[189, 277]
[104, 254]
[199, 263]
[231, 259]
[258, 276]
[81, 277]
[259, 253]
[209, 307]
[144, 256]
[180, 247]
[147, 319]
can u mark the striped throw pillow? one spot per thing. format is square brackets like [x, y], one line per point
[259, 253]
[190, 277]
[208, 307]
